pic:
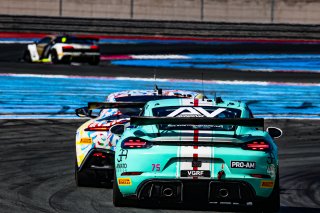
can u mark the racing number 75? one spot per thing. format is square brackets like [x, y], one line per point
[156, 167]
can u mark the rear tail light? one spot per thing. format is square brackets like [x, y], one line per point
[100, 159]
[135, 143]
[99, 154]
[260, 176]
[94, 47]
[130, 173]
[67, 48]
[256, 146]
[101, 128]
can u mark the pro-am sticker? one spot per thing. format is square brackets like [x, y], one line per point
[243, 164]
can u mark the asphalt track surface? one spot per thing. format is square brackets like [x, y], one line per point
[37, 156]
[10, 62]
[37, 170]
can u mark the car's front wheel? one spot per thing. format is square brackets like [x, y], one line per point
[27, 56]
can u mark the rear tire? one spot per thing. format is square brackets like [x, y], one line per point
[118, 199]
[272, 203]
[80, 178]
[54, 57]
[94, 60]
[65, 60]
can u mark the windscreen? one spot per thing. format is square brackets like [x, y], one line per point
[76, 40]
[134, 111]
[143, 98]
[192, 111]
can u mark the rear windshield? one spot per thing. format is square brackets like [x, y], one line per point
[190, 111]
[75, 40]
[127, 112]
[143, 98]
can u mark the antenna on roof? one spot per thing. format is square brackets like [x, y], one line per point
[156, 89]
[202, 87]
[155, 79]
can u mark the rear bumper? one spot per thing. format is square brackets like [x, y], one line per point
[215, 192]
[92, 163]
[204, 191]
[97, 167]
[79, 56]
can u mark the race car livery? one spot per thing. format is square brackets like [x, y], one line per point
[198, 151]
[63, 49]
[96, 139]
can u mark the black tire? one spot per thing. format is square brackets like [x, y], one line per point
[65, 60]
[54, 57]
[95, 60]
[27, 56]
[80, 178]
[272, 203]
[118, 199]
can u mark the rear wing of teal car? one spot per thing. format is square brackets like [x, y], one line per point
[109, 105]
[248, 122]
[87, 111]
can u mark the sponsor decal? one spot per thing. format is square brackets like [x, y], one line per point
[243, 164]
[121, 166]
[86, 140]
[123, 155]
[195, 173]
[156, 167]
[195, 112]
[124, 182]
[267, 184]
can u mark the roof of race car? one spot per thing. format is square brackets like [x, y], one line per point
[65, 38]
[178, 93]
[135, 93]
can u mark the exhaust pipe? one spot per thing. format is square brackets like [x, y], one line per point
[167, 192]
[223, 192]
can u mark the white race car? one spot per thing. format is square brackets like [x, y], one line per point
[64, 49]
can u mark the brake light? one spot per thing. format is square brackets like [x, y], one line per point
[260, 176]
[133, 143]
[257, 146]
[67, 48]
[130, 173]
[98, 128]
[94, 47]
[99, 154]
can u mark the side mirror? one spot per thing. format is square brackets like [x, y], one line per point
[274, 132]
[117, 129]
[84, 112]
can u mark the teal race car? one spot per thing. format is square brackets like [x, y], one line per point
[198, 151]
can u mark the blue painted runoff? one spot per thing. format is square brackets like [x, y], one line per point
[58, 97]
[241, 62]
